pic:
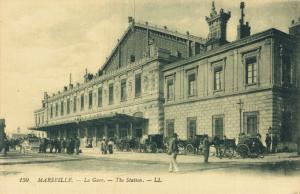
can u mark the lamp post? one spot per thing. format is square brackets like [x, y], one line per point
[240, 103]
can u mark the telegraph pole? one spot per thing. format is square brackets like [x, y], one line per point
[240, 103]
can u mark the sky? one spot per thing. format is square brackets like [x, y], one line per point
[42, 41]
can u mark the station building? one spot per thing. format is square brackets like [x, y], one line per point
[158, 81]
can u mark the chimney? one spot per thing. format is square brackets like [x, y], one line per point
[243, 30]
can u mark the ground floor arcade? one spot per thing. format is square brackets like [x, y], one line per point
[92, 131]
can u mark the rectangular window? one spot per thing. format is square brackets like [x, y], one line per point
[218, 78]
[51, 111]
[62, 108]
[170, 128]
[123, 90]
[170, 89]
[132, 58]
[192, 84]
[75, 104]
[82, 102]
[56, 109]
[138, 85]
[100, 97]
[90, 99]
[192, 127]
[68, 106]
[286, 70]
[111, 93]
[218, 126]
[251, 70]
[251, 123]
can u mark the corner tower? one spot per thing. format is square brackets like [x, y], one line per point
[217, 23]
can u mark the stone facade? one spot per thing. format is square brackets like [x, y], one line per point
[204, 110]
[188, 85]
[260, 72]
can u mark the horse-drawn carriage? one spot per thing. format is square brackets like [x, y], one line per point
[147, 144]
[224, 147]
[249, 146]
[193, 145]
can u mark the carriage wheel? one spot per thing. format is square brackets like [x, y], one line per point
[242, 150]
[190, 149]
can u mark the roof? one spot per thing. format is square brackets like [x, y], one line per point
[154, 28]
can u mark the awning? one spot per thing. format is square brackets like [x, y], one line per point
[90, 120]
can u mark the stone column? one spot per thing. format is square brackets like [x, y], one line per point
[105, 130]
[95, 137]
[86, 135]
[117, 130]
[130, 129]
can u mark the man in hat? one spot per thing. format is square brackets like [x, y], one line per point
[268, 142]
[103, 146]
[173, 151]
[206, 146]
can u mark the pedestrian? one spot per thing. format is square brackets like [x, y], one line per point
[77, 145]
[173, 151]
[268, 142]
[103, 146]
[59, 147]
[63, 145]
[206, 146]
[274, 143]
[68, 145]
[110, 146]
[72, 145]
[51, 145]
[216, 143]
[55, 145]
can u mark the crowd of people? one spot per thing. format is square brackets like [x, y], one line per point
[106, 146]
[59, 145]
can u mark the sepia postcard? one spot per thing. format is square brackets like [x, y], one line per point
[149, 96]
